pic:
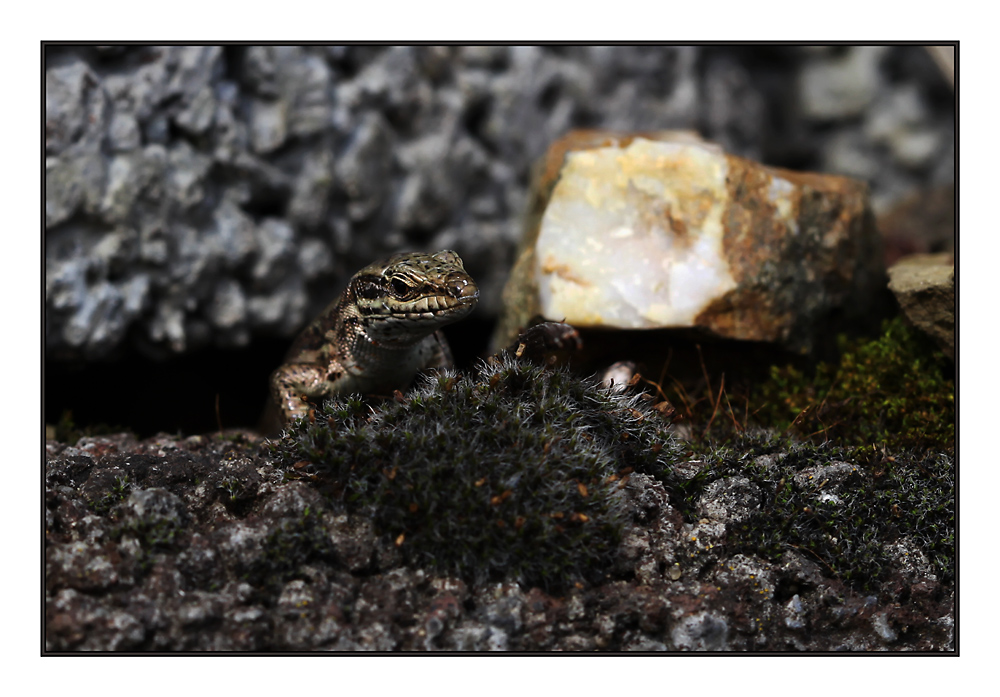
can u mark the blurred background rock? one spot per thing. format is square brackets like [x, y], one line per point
[204, 202]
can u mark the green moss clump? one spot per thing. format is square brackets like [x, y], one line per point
[884, 498]
[119, 492]
[514, 472]
[893, 391]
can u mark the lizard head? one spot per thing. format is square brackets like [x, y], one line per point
[409, 296]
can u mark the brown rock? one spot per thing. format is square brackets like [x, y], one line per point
[663, 230]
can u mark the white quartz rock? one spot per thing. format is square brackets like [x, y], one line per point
[632, 237]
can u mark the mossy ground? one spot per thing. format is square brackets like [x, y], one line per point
[512, 472]
[895, 391]
[884, 499]
[885, 404]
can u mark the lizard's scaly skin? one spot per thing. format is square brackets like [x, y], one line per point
[380, 332]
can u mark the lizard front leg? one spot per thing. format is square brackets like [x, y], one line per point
[293, 382]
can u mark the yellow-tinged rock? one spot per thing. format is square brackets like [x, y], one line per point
[924, 286]
[657, 230]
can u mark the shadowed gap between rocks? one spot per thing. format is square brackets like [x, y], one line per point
[148, 397]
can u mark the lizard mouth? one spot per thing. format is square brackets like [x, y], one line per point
[421, 318]
[467, 299]
[439, 306]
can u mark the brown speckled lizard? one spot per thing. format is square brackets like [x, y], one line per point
[382, 330]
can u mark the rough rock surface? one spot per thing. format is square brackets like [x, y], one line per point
[206, 195]
[660, 230]
[202, 544]
[923, 223]
[924, 285]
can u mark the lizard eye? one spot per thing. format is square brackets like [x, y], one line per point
[399, 288]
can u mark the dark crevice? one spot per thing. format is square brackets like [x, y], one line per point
[266, 204]
[474, 121]
[786, 588]
[549, 97]
[233, 58]
[469, 340]
[147, 397]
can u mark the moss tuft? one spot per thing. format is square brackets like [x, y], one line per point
[514, 472]
[119, 492]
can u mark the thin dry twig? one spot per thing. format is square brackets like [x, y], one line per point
[731, 414]
[688, 404]
[715, 404]
[818, 557]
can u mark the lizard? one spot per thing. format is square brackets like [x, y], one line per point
[382, 330]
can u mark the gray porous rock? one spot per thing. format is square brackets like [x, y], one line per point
[249, 182]
[205, 544]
